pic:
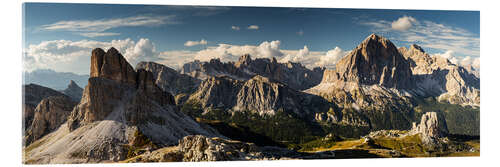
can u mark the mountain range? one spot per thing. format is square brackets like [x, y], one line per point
[52, 79]
[255, 109]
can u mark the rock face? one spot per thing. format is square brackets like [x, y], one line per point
[294, 75]
[74, 91]
[50, 113]
[32, 95]
[430, 128]
[170, 80]
[111, 65]
[200, 148]
[258, 95]
[436, 76]
[374, 74]
[375, 61]
[119, 106]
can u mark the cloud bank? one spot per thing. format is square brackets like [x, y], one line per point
[74, 56]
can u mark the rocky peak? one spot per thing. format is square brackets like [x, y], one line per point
[74, 91]
[244, 60]
[112, 81]
[375, 61]
[415, 47]
[111, 65]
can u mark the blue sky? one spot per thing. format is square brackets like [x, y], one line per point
[60, 36]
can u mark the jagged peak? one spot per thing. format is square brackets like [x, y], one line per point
[415, 47]
[375, 37]
[72, 84]
[111, 65]
[244, 60]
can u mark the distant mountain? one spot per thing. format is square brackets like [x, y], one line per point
[179, 85]
[294, 75]
[74, 91]
[53, 79]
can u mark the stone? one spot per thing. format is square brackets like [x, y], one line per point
[200, 148]
[430, 128]
[50, 113]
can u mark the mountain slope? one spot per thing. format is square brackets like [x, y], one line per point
[32, 95]
[437, 76]
[49, 114]
[121, 111]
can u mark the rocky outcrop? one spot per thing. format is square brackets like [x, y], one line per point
[32, 95]
[50, 113]
[170, 80]
[291, 74]
[430, 128]
[120, 110]
[74, 91]
[217, 92]
[200, 148]
[437, 76]
[111, 65]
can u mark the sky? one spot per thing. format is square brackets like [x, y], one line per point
[61, 36]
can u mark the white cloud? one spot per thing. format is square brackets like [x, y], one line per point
[194, 43]
[298, 56]
[267, 49]
[253, 27]
[74, 56]
[235, 28]
[403, 23]
[98, 34]
[459, 60]
[331, 58]
[227, 52]
[95, 28]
